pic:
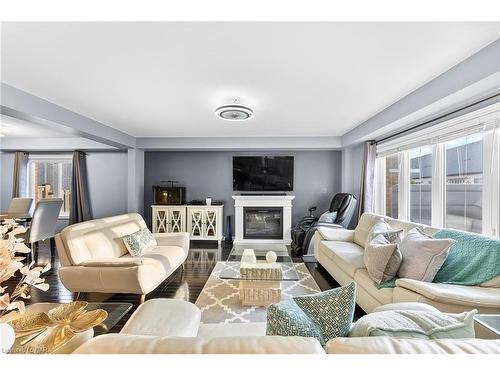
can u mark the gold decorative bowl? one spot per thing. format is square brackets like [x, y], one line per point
[43, 333]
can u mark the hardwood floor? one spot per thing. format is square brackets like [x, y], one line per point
[185, 283]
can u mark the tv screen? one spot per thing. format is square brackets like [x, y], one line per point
[263, 173]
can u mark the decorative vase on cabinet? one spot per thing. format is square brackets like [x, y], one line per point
[201, 222]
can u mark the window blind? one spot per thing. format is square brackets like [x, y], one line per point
[482, 120]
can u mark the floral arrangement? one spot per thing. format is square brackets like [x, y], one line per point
[11, 263]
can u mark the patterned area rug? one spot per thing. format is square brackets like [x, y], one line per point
[219, 301]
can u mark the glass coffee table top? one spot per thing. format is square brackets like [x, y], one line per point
[490, 321]
[232, 266]
[116, 311]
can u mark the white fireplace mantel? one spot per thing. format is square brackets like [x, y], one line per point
[284, 201]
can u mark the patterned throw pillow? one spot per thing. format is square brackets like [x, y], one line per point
[323, 315]
[138, 242]
[383, 228]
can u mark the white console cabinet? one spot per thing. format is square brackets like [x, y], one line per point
[201, 222]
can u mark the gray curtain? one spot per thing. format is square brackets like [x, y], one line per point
[19, 188]
[367, 192]
[80, 209]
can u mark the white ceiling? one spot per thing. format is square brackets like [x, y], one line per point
[11, 127]
[166, 79]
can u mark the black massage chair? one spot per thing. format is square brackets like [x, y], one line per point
[342, 203]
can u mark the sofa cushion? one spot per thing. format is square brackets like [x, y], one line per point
[474, 296]
[164, 317]
[335, 234]
[367, 220]
[406, 226]
[135, 344]
[365, 224]
[347, 255]
[383, 296]
[99, 238]
[168, 257]
[413, 306]
[117, 262]
[380, 227]
[389, 345]
[493, 283]
[212, 330]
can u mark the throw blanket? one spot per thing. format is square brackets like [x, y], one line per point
[473, 260]
[412, 323]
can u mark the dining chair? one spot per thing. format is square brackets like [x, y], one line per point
[43, 223]
[20, 205]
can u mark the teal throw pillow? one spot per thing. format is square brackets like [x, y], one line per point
[138, 242]
[328, 217]
[324, 315]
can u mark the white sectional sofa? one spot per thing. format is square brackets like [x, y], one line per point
[340, 252]
[94, 258]
[163, 326]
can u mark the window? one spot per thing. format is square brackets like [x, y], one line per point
[444, 176]
[391, 183]
[421, 185]
[50, 177]
[464, 183]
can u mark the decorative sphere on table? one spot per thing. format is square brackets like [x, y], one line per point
[271, 257]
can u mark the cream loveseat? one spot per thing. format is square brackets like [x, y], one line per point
[340, 252]
[165, 326]
[94, 258]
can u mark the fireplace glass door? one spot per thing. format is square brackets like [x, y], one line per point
[263, 223]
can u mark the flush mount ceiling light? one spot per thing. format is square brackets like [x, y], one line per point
[234, 112]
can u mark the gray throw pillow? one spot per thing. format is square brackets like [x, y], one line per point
[423, 255]
[382, 259]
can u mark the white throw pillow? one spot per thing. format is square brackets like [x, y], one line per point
[423, 255]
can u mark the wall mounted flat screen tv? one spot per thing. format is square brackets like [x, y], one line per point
[263, 173]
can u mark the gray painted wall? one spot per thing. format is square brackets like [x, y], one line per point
[317, 177]
[6, 172]
[107, 174]
[352, 159]
[107, 182]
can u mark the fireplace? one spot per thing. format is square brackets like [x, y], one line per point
[263, 223]
[263, 219]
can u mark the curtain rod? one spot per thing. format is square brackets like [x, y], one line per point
[409, 130]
